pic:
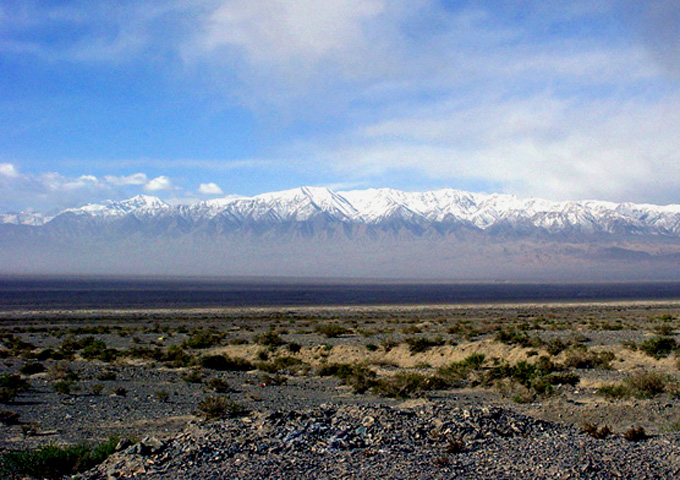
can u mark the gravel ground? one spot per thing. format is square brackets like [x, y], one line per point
[372, 441]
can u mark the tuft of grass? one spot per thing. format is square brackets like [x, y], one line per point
[54, 462]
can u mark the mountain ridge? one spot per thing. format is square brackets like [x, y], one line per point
[375, 207]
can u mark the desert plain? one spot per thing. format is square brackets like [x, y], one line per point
[561, 390]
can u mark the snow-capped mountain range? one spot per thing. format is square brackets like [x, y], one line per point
[416, 211]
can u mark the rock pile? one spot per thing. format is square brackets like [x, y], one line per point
[372, 441]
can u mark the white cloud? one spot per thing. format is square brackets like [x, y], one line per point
[47, 191]
[210, 189]
[134, 179]
[159, 184]
[8, 170]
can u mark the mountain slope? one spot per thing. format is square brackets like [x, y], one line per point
[308, 231]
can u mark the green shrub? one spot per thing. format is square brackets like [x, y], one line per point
[9, 418]
[587, 359]
[203, 339]
[218, 385]
[65, 387]
[641, 385]
[408, 384]
[658, 347]
[594, 431]
[220, 407]
[193, 376]
[422, 344]
[10, 386]
[53, 462]
[162, 396]
[32, 368]
[226, 363]
[107, 376]
[635, 434]
[271, 339]
[359, 377]
[331, 330]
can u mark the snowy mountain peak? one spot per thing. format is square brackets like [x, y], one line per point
[393, 209]
[143, 201]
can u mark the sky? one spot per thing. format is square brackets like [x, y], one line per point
[196, 99]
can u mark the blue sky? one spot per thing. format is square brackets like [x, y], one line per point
[190, 99]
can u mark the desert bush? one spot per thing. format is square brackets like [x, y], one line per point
[226, 363]
[294, 347]
[359, 377]
[65, 387]
[97, 389]
[460, 371]
[408, 384]
[555, 346]
[203, 339]
[32, 368]
[9, 418]
[580, 357]
[107, 376]
[10, 386]
[120, 391]
[289, 364]
[220, 407]
[422, 344]
[193, 376]
[664, 329]
[594, 431]
[635, 434]
[53, 462]
[537, 378]
[95, 349]
[277, 379]
[218, 385]
[331, 330]
[658, 347]
[15, 347]
[270, 339]
[162, 396]
[515, 337]
[641, 385]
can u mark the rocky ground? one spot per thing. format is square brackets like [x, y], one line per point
[514, 391]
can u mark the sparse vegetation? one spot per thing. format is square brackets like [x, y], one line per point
[595, 431]
[635, 434]
[54, 462]
[641, 385]
[221, 407]
[659, 347]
